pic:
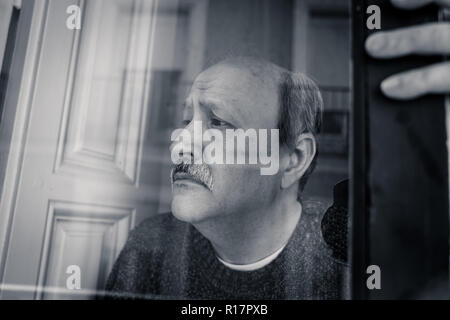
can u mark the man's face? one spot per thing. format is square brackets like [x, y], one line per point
[225, 97]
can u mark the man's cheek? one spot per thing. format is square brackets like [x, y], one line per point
[232, 179]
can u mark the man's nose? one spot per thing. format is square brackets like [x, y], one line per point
[191, 149]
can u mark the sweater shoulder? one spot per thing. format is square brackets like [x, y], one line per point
[314, 212]
[139, 266]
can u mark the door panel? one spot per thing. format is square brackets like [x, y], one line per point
[84, 235]
[78, 191]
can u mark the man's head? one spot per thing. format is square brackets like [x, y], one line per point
[247, 93]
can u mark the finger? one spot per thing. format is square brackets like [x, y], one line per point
[413, 4]
[430, 38]
[418, 82]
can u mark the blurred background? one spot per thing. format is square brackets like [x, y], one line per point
[86, 117]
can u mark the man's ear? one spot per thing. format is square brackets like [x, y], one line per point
[299, 160]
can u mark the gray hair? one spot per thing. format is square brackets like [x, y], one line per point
[301, 107]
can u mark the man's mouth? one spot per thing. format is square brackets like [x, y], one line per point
[183, 176]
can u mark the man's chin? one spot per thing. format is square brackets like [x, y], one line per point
[191, 209]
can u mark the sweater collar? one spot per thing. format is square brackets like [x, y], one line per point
[300, 245]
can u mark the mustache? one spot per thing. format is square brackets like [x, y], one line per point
[198, 172]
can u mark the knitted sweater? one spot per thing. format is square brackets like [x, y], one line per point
[167, 258]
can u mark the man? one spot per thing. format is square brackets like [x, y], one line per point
[234, 233]
[140, 270]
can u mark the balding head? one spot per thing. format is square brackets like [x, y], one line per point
[248, 87]
[298, 99]
[261, 69]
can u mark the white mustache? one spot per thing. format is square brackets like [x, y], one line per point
[200, 172]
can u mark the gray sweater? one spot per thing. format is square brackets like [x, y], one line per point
[169, 259]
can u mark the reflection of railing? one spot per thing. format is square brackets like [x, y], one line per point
[336, 98]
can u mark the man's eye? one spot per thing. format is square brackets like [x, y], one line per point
[219, 123]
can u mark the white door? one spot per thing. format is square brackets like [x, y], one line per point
[78, 190]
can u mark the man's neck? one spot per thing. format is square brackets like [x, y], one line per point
[251, 236]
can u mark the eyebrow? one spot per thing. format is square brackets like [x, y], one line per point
[217, 108]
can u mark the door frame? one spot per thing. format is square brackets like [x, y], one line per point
[17, 108]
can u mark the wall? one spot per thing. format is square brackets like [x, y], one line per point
[254, 27]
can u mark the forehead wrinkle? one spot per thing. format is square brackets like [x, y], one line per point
[220, 106]
[240, 88]
[215, 94]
